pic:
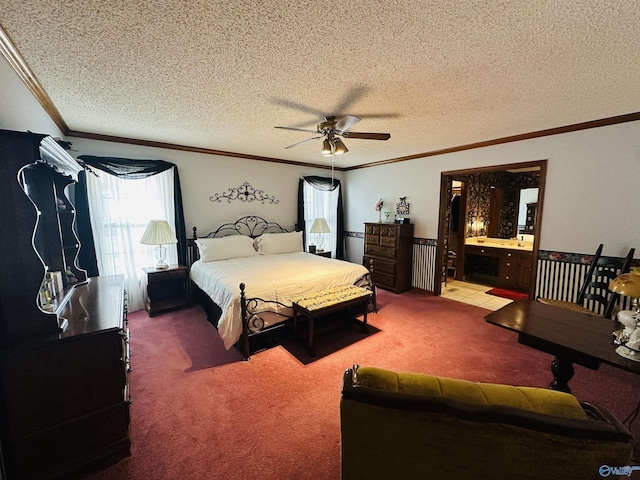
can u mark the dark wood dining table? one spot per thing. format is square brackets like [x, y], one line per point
[571, 337]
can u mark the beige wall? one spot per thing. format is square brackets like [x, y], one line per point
[19, 109]
[592, 194]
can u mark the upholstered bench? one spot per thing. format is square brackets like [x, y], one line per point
[317, 304]
[408, 425]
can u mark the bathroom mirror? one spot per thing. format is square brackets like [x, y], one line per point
[497, 201]
[527, 210]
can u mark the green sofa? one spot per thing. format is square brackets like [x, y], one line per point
[414, 426]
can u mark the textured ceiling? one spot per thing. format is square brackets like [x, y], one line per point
[434, 74]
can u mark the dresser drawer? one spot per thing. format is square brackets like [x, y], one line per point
[382, 266]
[388, 242]
[483, 251]
[384, 280]
[160, 276]
[508, 265]
[378, 250]
[388, 230]
[509, 255]
[373, 229]
[371, 239]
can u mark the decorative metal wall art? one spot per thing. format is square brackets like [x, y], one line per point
[402, 208]
[244, 193]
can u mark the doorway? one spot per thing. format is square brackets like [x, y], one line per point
[477, 217]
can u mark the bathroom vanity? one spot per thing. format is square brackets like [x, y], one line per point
[508, 262]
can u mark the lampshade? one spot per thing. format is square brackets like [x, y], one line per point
[158, 232]
[320, 226]
[627, 283]
[340, 147]
[326, 147]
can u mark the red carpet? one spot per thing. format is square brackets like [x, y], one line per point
[510, 294]
[199, 412]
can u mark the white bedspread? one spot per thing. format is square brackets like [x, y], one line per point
[269, 277]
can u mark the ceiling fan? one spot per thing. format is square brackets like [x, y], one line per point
[333, 127]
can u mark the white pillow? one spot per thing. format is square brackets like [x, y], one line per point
[270, 243]
[224, 248]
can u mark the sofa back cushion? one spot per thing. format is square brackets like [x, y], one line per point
[536, 400]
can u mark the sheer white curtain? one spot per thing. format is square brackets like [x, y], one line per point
[320, 203]
[120, 210]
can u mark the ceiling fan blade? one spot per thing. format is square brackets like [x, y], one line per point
[380, 115]
[350, 98]
[367, 136]
[346, 122]
[298, 106]
[304, 141]
[298, 129]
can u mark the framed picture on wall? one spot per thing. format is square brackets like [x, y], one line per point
[402, 208]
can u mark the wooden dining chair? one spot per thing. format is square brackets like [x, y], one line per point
[594, 295]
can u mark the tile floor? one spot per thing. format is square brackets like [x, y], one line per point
[472, 293]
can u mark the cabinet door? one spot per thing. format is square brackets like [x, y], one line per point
[525, 270]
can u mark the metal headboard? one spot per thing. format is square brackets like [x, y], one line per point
[249, 225]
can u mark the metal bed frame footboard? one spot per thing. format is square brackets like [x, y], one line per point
[253, 308]
[255, 335]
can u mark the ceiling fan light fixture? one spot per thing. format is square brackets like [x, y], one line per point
[331, 128]
[326, 147]
[340, 147]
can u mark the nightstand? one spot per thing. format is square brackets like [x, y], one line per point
[325, 253]
[166, 288]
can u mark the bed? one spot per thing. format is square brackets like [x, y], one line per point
[245, 273]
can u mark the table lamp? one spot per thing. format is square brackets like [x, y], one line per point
[628, 284]
[320, 227]
[159, 233]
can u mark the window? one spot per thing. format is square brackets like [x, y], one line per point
[120, 209]
[322, 197]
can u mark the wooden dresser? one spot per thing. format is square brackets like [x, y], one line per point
[65, 399]
[64, 351]
[390, 246]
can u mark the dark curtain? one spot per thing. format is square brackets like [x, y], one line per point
[327, 185]
[131, 169]
[87, 255]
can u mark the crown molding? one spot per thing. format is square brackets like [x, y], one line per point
[187, 148]
[21, 68]
[10, 52]
[602, 122]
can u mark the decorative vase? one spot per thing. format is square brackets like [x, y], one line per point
[379, 216]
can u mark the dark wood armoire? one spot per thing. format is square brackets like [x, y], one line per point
[64, 345]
